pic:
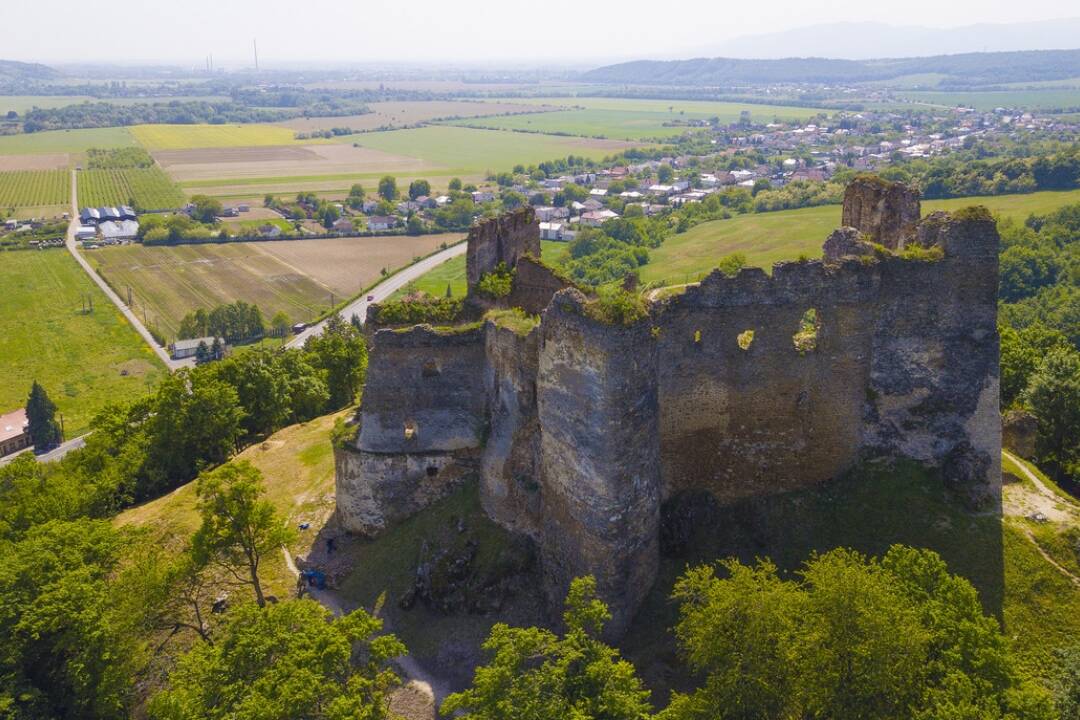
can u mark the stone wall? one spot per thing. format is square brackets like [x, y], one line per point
[534, 285]
[599, 456]
[503, 239]
[887, 212]
[510, 477]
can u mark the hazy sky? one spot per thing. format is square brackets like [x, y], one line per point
[556, 31]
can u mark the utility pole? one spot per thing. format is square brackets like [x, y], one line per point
[63, 434]
[129, 296]
[255, 46]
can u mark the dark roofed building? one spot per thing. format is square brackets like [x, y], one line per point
[90, 216]
[109, 213]
[127, 213]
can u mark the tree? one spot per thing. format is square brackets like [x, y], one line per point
[1053, 392]
[415, 225]
[664, 173]
[850, 637]
[455, 185]
[280, 324]
[388, 188]
[419, 188]
[70, 622]
[239, 527]
[1066, 684]
[340, 351]
[532, 674]
[202, 353]
[205, 209]
[41, 419]
[287, 660]
[357, 191]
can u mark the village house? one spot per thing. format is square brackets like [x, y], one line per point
[182, 349]
[343, 225]
[14, 432]
[382, 222]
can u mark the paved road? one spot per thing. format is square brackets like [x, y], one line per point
[73, 248]
[55, 454]
[384, 290]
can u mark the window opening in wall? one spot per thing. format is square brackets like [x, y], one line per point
[697, 337]
[432, 470]
[805, 338]
[410, 430]
[745, 338]
[431, 369]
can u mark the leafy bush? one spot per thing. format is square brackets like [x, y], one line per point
[420, 308]
[616, 306]
[496, 284]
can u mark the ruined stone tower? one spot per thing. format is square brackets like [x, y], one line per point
[578, 430]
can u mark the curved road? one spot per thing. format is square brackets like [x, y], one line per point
[384, 290]
[73, 248]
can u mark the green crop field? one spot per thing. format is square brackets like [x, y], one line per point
[24, 103]
[468, 151]
[34, 188]
[184, 137]
[988, 100]
[84, 360]
[632, 119]
[65, 141]
[169, 282]
[146, 188]
[766, 238]
[725, 111]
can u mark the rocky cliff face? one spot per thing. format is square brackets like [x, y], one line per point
[599, 456]
[887, 212]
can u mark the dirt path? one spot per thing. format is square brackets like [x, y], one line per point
[1045, 501]
[422, 682]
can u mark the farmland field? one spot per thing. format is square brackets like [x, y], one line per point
[434, 152]
[727, 112]
[988, 100]
[65, 141]
[24, 103]
[296, 276]
[34, 188]
[626, 123]
[181, 137]
[397, 114]
[145, 188]
[83, 360]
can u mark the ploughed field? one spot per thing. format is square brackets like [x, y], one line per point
[298, 277]
[83, 359]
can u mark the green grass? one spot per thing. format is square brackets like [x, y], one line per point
[169, 282]
[146, 188]
[1050, 99]
[625, 120]
[65, 141]
[726, 111]
[468, 151]
[184, 137]
[34, 188]
[24, 103]
[83, 360]
[766, 238]
[452, 273]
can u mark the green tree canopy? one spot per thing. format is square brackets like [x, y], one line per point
[388, 188]
[41, 418]
[532, 674]
[419, 188]
[284, 661]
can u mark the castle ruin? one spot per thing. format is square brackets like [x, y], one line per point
[579, 430]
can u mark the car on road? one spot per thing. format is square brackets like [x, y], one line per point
[370, 298]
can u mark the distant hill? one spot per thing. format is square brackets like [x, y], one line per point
[965, 69]
[11, 71]
[867, 40]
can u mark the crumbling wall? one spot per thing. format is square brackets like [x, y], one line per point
[423, 419]
[510, 475]
[887, 212]
[933, 391]
[742, 417]
[534, 285]
[599, 455]
[503, 239]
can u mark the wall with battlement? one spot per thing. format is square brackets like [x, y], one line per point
[579, 430]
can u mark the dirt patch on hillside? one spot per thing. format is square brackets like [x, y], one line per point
[44, 161]
[350, 264]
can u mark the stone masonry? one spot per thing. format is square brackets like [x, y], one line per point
[578, 431]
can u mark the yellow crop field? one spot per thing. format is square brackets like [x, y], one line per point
[184, 137]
